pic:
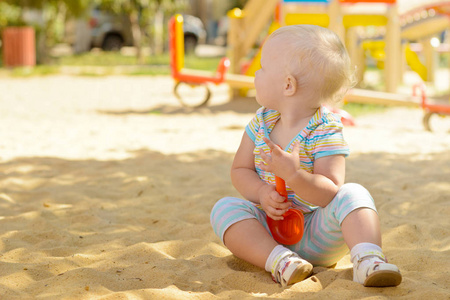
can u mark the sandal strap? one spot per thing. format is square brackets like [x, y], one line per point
[382, 267]
[278, 260]
[361, 256]
[280, 275]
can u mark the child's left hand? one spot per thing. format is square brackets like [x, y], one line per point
[280, 163]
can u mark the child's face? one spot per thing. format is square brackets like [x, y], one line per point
[269, 80]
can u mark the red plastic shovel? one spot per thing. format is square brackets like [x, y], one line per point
[288, 231]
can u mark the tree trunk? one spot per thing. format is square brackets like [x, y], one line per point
[158, 37]
[137, 35]
[49, 37]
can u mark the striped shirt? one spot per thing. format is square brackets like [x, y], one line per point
[321, 137]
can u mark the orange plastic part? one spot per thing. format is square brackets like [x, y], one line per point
[433, 108]
[288, 231]
[368, 1]
[176, 48]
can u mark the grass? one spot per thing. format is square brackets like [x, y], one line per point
[98, 63]
[108, 59]
[202, 63]
[153, 65]
[32, 71]
[358, 109]
[105, 59]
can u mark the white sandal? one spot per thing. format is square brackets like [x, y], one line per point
[378, 272]
[291, 269]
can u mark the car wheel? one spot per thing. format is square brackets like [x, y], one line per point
[190, 42]
[112, 42]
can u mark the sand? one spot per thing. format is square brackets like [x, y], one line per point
[106, 185]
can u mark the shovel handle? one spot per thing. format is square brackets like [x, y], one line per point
[280, 186]
[288, 231]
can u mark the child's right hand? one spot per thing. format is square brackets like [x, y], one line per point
[272, 202]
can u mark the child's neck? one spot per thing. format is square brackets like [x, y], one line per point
[291, 122]
[292, 118]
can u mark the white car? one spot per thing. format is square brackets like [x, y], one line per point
[111, 32]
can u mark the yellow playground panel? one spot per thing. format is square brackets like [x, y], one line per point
[418, 20]
[316, 19]
[364, 20]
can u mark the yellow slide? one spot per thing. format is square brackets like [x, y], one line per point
[416, 65]
[376, 49]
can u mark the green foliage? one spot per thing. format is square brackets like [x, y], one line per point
[10, 15]
[238, 3]
[144, 9]
[73, 7]
[444, 59]
[55, 12]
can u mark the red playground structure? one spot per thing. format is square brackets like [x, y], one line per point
[430, 109]
[193, 80]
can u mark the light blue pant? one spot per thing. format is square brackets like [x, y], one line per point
[322, 243]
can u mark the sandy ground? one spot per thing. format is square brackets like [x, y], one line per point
[106, 185]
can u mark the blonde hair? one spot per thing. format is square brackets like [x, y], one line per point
[318, 60]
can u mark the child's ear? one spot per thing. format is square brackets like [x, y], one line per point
[290, 85]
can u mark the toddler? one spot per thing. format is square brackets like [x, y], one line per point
[302, 68]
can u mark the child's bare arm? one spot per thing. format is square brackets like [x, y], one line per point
[247, 182]
[318, 188]
[324, 183]
[243, 173]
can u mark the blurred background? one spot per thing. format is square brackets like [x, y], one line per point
[124, 32]
[107, 37]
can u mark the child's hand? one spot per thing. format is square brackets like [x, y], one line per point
[280, 163]
[272, 202]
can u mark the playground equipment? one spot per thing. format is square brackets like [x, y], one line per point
[413, 60]
[418, 99]
[429, 109]
[190, 77]
[428, 18]
[319, 12]
[420, 24]
[197, 79]
[254, 64]
[288, 231]
[399, 20]
[380, 98]
[246, 26]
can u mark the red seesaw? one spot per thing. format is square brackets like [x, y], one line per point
[429, 109]
[185, 76]
[197, 78]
